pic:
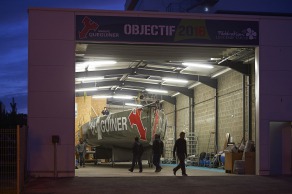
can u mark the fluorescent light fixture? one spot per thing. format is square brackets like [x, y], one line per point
[194, 85]
[132, 104]
[101, 96]
[123, 97]
[89, 79]
[220, 72]
[173, 80]
[215, 59]
[157, 91]
[198, 65]
[91, 65]
[86, 89]
[95, 63]
[175, 94]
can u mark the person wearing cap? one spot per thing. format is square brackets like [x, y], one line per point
[180, 148]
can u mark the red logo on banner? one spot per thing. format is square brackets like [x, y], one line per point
[135, 119]
[88, 25]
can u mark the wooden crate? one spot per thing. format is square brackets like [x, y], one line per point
[229, 160]
[249, 163]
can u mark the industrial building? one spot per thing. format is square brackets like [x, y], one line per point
[220, 74]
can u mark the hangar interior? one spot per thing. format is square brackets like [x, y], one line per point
[207, 92]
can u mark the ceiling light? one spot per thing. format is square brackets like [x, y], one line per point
[94, 63]
[85, 89]
[175, 94]
[123, 97]
[157, 91]
[198, 65]
[220, 72]
[194, 85]
[100, 96]
[91, 65]
[132, 104]
[215, 59]
[173, 80]
[88, 79]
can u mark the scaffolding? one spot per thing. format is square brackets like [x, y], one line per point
[168, 145]
[193, 149]
[192, 144]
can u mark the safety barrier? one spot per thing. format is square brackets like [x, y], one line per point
[12, 160]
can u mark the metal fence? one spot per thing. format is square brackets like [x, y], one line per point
[12, 160]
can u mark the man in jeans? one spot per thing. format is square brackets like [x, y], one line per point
[81, 151]
[180, 148]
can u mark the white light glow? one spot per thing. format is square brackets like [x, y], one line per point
[95, 63]
[198, 65]
[100, 96]
[175, 94]
[173, 80]
[123, 97]
[157, 91]
[220, 72]
[131, 104]
[91, 65]
[86, 89]
[215, 59]
[89, 79]
[194, 85]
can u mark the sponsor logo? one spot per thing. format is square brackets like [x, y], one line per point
[89, 25]
[246, 34]
[135, 119]
[91, 29]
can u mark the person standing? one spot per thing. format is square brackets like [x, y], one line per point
[180, 148]
[137, 150]
[157, 150]
[81, 151]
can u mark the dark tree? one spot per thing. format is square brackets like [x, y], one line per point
[12, 119]
[13, 107]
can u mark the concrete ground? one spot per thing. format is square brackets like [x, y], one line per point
[105, 179]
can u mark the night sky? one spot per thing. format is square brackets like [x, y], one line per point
[14, 42]
[14, 35]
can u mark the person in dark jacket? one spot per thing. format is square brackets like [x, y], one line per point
[180, 148]
[105, 111]
[157, 150]
[137, 155]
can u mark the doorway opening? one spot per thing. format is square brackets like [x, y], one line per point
[160, 77]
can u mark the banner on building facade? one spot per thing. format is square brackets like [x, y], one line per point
[166, 30]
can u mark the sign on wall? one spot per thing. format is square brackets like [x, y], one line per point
[166, 30]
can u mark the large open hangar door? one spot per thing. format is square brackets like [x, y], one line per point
[204, 90]
[200, 72]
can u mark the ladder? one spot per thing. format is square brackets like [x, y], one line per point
[211, 149]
